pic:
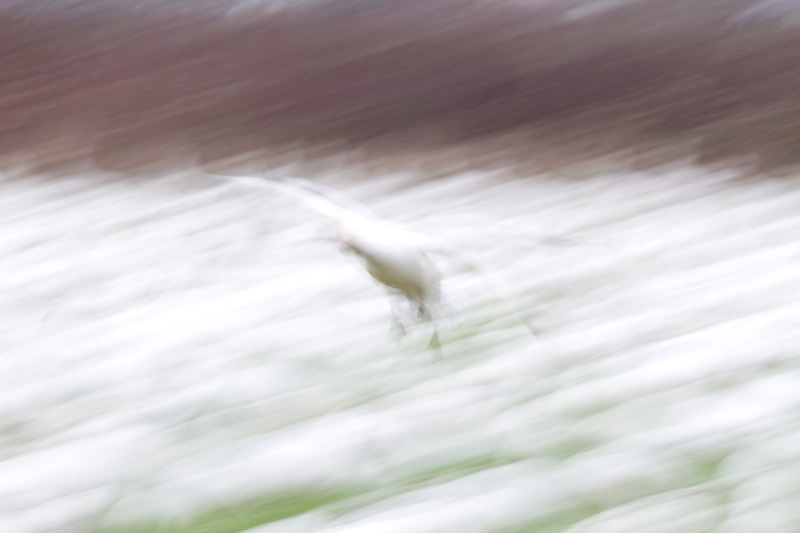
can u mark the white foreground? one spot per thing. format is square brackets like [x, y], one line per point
[175, 346]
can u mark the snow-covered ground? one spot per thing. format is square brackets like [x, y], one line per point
[181, 354]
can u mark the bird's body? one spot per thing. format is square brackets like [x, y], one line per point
[396, 258]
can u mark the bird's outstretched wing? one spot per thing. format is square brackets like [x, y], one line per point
[326, 201]
[332, 196]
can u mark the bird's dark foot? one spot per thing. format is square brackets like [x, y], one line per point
[397, 331]
[436, 346]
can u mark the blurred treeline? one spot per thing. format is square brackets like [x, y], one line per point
[130, 81]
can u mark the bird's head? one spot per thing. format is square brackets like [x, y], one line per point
[346, 242]
[331, 232]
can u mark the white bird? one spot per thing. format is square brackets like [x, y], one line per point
[397, 258]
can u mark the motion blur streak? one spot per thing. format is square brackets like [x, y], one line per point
[181, 354]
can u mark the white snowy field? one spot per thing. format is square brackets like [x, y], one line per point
[182, 354]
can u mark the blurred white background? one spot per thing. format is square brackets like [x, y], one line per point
[181, 354]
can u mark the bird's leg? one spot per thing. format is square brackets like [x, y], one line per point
[396, 329]
[423, 313]
[436, 346]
